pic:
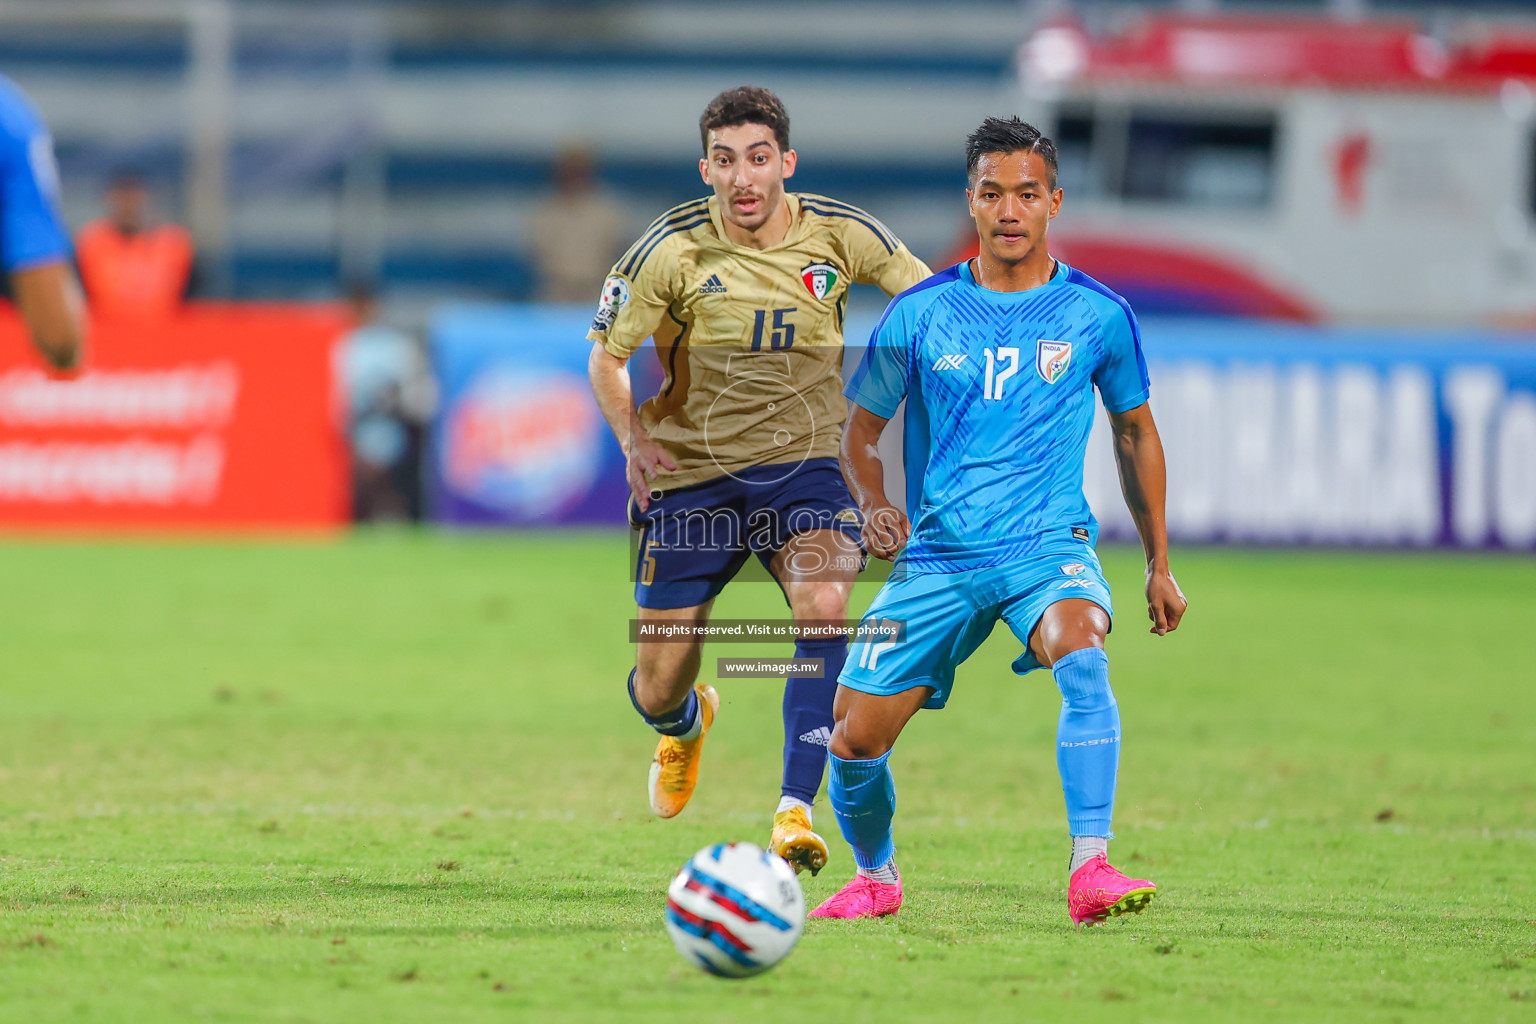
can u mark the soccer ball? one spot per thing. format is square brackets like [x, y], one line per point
[735, 910]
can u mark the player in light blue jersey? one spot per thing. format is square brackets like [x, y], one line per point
[997, 359]
[34, 244]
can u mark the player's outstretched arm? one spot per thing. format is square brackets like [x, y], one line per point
[50, 302]
[885, 528]
[644, 458]
[1144, 481]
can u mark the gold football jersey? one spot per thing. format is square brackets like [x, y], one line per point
[750, 340]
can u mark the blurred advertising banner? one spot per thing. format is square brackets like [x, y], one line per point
[1275, 434]
[220, 417]
[1283, 434]
[518, 439]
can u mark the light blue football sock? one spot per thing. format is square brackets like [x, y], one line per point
[1087, 741]
[863, 795]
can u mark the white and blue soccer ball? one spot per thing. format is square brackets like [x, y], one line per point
[735, 910]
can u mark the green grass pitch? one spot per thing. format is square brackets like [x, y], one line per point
[395, 778]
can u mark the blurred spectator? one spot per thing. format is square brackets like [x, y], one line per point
[390, 393]
[129, 266]
[578, 232]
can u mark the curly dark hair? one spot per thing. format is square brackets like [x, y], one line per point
[1008, 135]
[745, 104]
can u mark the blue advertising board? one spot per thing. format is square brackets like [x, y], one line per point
[1288, 434]
[1274, 433]
[518, 439]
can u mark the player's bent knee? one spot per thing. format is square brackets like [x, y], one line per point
[857, 745]
[1070, 626]
[1072, 644]
[823, 602]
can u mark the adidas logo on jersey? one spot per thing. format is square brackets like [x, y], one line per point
[949, 362]
[713, 286]
[821, 736]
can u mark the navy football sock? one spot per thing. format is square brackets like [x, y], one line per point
[1087, 741]
[808, 718]
[863, 795]
[677, 722]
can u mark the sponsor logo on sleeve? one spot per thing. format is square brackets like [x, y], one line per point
[1052, 359]
[1081, 581]
[614, 298]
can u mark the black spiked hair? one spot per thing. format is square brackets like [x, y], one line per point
[1008, 135]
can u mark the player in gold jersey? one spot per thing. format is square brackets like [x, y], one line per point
[736, 454]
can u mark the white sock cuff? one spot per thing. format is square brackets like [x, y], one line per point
[1085, 848]
[789, 802]
[698, 722]
[886, 873]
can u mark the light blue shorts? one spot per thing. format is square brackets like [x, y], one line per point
[946, 616]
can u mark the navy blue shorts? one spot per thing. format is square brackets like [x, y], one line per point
[694, 540]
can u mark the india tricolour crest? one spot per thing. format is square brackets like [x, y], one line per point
[1052, 359]
[819, 278]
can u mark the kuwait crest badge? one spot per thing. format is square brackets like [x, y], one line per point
[1052, 359]
[819, 278]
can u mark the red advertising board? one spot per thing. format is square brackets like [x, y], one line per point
[222, 417]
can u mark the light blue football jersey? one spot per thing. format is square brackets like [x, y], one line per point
[32, 230]
[999, 389]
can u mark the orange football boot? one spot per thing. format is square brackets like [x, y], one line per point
[675, 768]
[795, 842]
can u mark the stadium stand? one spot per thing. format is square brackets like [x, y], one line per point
[410, 147]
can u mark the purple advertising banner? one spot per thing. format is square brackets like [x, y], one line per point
[1280, 434]
[1275, 433]
[518, 439]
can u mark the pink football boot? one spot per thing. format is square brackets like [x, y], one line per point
[862, 897]
[1098, 892]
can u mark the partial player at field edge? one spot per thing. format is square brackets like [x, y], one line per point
[34, 243]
